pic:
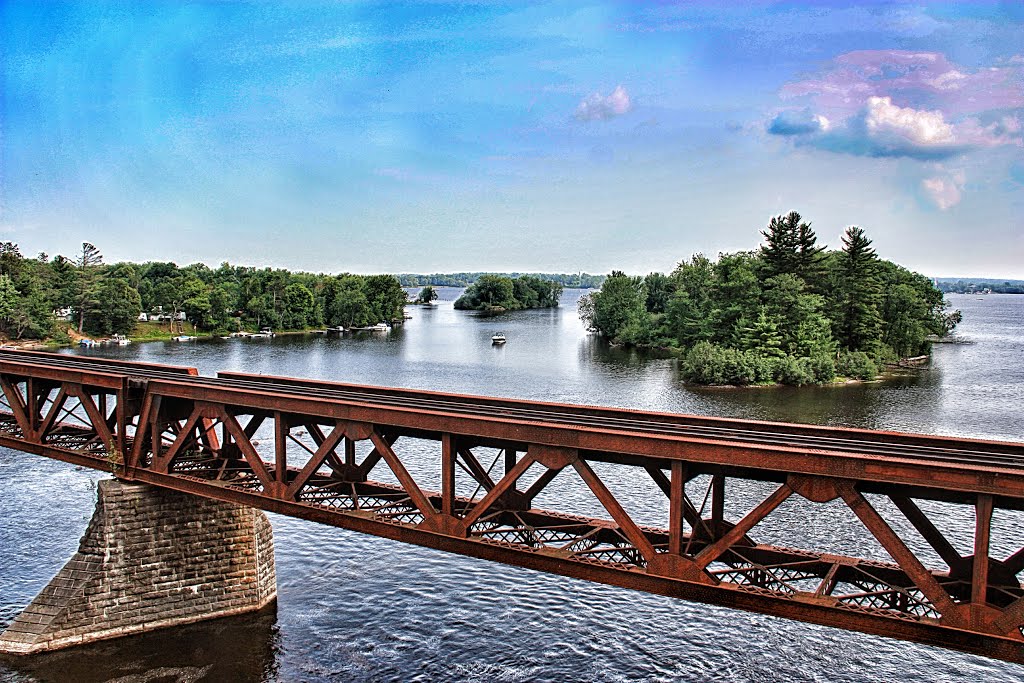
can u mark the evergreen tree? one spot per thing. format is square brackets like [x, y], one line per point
[8, 300]
[791, 247]
[779, 253]
[88, 276]
[857, 293]
[810, 258]
[762, 336]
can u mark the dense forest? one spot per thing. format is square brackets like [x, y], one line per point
[790, 311]
[496, 292]
[570, 280]
[100, 299]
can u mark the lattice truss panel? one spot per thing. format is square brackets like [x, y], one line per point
[63, 415]
[490, 494]
[877, 555]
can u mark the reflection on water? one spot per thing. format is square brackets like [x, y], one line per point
[354, 607]
[229, 649]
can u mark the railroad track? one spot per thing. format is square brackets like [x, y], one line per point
[921, 448]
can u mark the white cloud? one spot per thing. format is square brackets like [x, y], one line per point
[884, 119]
[598, 107]
[944, 192]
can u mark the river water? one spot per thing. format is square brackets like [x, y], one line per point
[359, 608]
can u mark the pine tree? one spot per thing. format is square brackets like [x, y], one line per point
[780, 250]
[88, 263]
[791, 247]
[858, 293]
[810, 258]
[762, 335]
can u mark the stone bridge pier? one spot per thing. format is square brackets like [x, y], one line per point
[150, 558]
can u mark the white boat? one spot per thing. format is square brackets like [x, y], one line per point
[87, 343]
[498, 339]
[120, 340]
[379, 327]
[183, 338]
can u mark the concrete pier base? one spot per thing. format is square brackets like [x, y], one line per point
[151, 558]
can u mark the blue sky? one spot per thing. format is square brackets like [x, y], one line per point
[423, 137]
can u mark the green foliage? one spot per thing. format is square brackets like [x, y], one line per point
[795, 371]
[114, 307]
[762, 336]
[857, 365]
[822, 367]
[616, 310]
[707, 363]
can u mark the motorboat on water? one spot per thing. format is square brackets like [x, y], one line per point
[498, 339]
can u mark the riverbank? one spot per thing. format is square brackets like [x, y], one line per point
[143, 332]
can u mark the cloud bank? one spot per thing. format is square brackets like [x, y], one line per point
[892, 103]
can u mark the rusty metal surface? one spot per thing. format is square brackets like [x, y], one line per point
[170, 427]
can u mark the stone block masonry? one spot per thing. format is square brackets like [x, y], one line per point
[151, 558]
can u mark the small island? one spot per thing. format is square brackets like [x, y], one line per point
[497, 294]
[790, 312]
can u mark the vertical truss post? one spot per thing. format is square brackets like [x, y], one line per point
[676, 507]
[32, 405]
[121, 417]
[982, 530]
[156, 426]
[447, 475]
[350, 452]
[280, 447]
[510, 459]
[717, 504]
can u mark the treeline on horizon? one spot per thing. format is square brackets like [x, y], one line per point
[569, 280]
[789, 312]
[962, 286]
[104, 299]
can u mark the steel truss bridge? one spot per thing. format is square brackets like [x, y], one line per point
[168, 426]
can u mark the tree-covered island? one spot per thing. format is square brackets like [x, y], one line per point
[499, 293]
[790, 312]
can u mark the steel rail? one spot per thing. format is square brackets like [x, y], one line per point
[565, 416]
